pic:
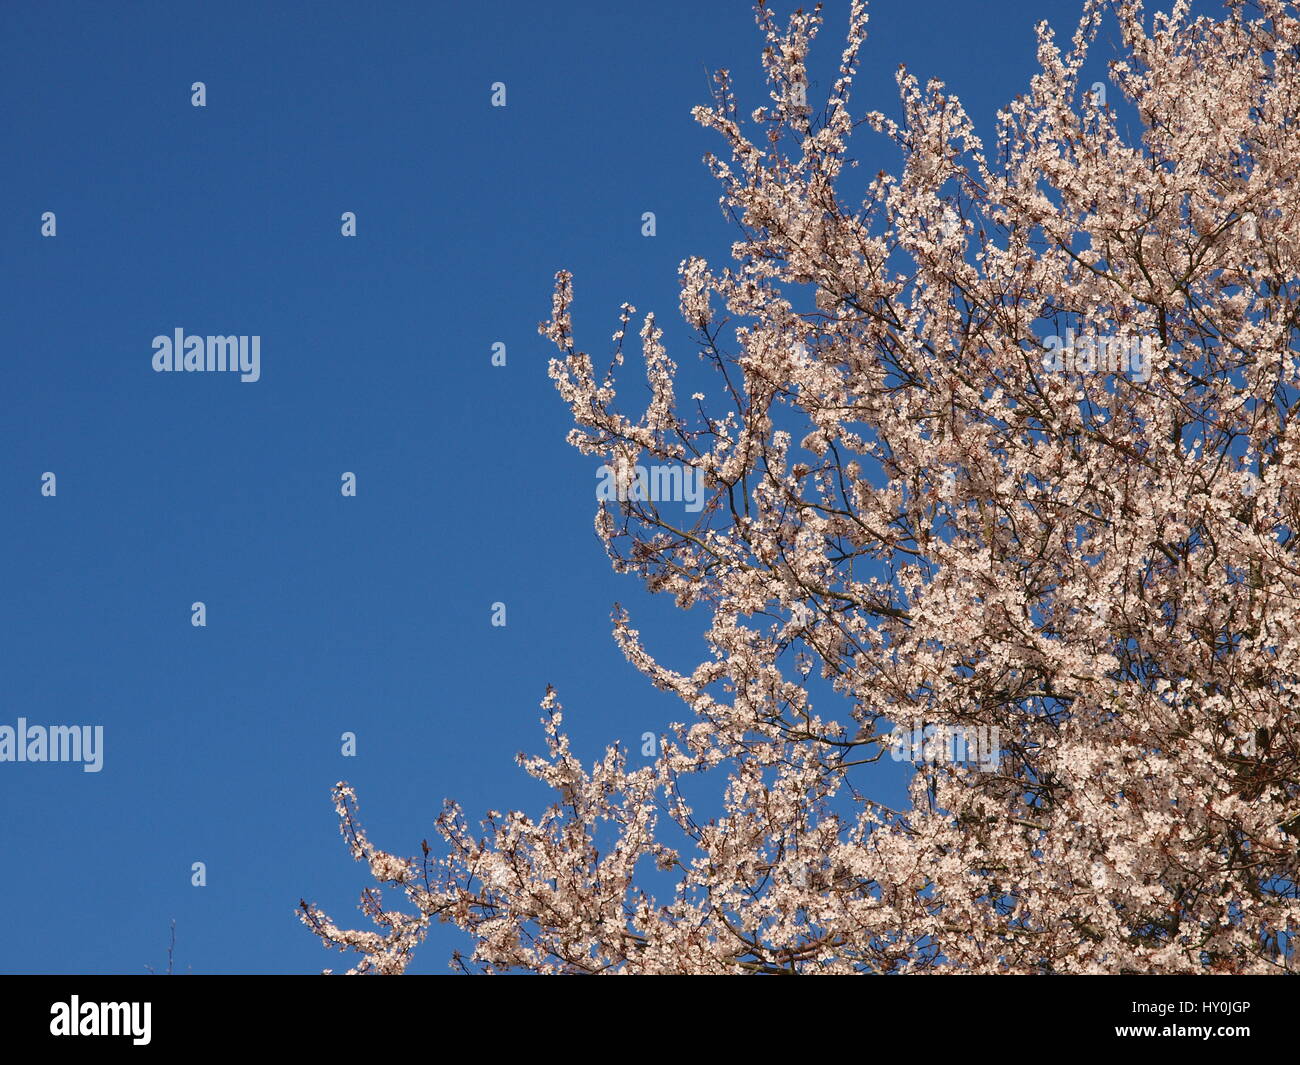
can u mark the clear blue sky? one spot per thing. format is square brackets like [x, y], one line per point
[327, 614]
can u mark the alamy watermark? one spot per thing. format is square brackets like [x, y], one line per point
[658, 484]
[947, 745]
[1099, 353]
[53, 743]
[178, 352]
[77, 1018]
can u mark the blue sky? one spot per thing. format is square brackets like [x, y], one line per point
[328, 614]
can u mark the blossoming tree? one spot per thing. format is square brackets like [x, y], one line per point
[911, 493]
